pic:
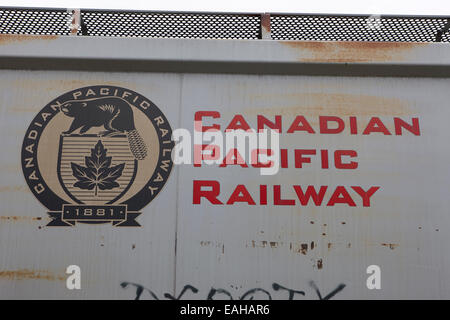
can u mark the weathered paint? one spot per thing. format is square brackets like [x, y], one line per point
[265, 26]
[194, 250]
[6, 39]
[223, 50]
[351, 52]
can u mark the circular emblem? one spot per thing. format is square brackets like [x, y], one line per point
[97, 154]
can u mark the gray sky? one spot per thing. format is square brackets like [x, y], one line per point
[413, 7]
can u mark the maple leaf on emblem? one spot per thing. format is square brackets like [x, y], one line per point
[97, 173]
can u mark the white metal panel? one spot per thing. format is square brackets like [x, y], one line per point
[239, 247]
[192, 50]
[34, 257]
[405, 231]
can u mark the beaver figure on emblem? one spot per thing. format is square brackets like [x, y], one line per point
[114, 113]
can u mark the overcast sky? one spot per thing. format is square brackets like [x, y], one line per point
[412, 7]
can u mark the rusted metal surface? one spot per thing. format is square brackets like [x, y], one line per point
[229, 51]
[34, 256]
[247, 250]
[30, 274]
[76, 21]
[353, 52]
[265, 26]
[12, 39]
[296, 244]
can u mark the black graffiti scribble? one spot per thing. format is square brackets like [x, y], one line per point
[214, 291]
[139, 290]
[250, 294]
[253, 291]
[292, 292]
[97, 173]
[186, 287]
[328, 296]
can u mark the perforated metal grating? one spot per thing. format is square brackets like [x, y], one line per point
[38, 22]
[172, 25]
[225, 26]
[357, 28]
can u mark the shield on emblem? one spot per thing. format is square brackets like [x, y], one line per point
[95, 170]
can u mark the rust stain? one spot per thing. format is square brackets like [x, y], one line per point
[338, 104]
[22, 274]
[264, 244]
[352, 51]
[51, 85]
[319, 264]
[208, 243]
[133, 247]
[11, 38]
[296, 247]
[19, 218]
[265, 21]
[391, 246]
[14, 188]
[64, 83]
[304, 248]
[301, 248]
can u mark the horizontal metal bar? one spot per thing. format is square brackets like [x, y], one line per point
[252, 13]
[135, 11]
[356, 15]
[162, 49]
[360, 70]
[235, 56]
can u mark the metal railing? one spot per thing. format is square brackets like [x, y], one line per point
[249, 26]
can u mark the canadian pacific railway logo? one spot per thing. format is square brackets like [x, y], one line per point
[97, 154]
